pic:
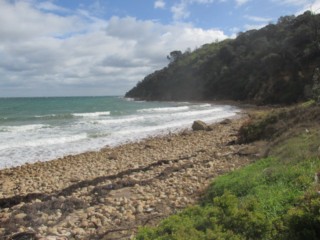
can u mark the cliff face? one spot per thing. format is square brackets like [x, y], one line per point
[272, 65]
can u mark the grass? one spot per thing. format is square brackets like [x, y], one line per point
[273, 198]
[274, 185]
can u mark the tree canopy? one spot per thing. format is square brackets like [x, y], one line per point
[272, 65]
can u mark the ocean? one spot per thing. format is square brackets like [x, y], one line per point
[42, 129]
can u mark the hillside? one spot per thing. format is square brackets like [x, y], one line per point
[276, 197]
[272, 65]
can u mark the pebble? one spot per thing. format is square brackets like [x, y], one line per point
[20, 216]
[79, 231]
[119, 208]
[139, 209]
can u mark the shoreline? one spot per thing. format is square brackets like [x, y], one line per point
[20, 154]
[96, 195]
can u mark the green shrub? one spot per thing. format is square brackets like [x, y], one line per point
[257, 129]
[303, 221]
[273, 198]
[228, 218]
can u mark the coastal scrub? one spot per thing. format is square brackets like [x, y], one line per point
[276, 197]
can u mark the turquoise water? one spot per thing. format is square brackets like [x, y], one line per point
[41, 129]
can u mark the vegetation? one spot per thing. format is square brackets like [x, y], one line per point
[272, 65]
[277, 197]
[274, 198]
[274, 123]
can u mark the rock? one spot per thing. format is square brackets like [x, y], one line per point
[195, 178]
[247, 151]
[53, 230]
[200, 126]
[113, 156]
[24, 235]
[185, 132]
[225, 122]
[20, 216]
[149, 210]
[163, 196]
[129, 216]
[139, 209]
[84, 224]
[54, 238]
[79, 231]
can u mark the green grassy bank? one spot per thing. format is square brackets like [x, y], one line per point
[276, 197]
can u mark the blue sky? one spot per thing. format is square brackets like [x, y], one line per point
[104, 47]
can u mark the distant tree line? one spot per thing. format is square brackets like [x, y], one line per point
[272, 65]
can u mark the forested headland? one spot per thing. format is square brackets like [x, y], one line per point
[272, 65]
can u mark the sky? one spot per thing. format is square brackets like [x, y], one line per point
[104, 47]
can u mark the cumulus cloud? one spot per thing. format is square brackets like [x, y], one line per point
[303, 5]
[180, 9]
[258, 19]
[159, 4]
[313, 6]
[46, 53]
[241, 2]
[293, 2]
[50, 6]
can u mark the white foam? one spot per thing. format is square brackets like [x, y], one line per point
[164, 110]
[91, 131]
[205, 105]
[128, 99]
[44, 141]
[93, 114]
[23, 128]
[134, 134]
[45, 116]
[198, 112]
[119, 120]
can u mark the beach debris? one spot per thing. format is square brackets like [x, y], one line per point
[86, 197]
[24, 236]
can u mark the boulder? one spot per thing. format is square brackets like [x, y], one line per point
[225, 122]
[200, 126]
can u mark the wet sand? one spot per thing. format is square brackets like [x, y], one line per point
[109, 193]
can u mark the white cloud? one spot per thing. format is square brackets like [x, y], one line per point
[241, 2]
[292, 2]
[49, 6]
[201, 1]
[313, 6]
[258, 19]
[159, 4]
[254, 26]
[180, 11]
[21, 21]
[43, 53]
[303, 5]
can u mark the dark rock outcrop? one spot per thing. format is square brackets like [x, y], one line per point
[201, 126]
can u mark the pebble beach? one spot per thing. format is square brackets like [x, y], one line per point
[108, 194]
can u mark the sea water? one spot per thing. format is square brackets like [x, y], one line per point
[42, 129]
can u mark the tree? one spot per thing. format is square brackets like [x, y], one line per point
[174, 56]
[286, 20]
